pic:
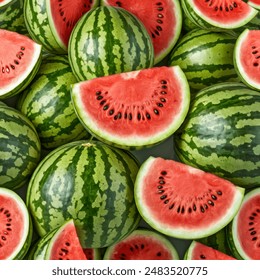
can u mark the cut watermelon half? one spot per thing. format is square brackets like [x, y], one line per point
[15, 226]
[247, 57]
[20, 59]
[65, 244]
[224, 14]
[199, 251]
[244, 231]
[162, 19]
[133, 109]
[142, 244]
[184, 202]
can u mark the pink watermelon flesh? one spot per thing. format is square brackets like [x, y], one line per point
[18, 56]
[89, 253]
[248, 227]
[203, 252]
[249, 56]
[162, 20]
[133, 107]
[183, 201]
[225, 11]
[66, 13]
[66, 245]
[11, 226]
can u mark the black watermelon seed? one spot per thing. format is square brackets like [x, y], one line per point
[163, 196]
[164, 173]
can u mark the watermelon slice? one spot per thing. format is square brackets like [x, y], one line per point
[142, 244]
[64, 244]
[199, 251]
[223, 14]
[133, 109]
[15, 226]
[20, 59]
[254, 3]
[184, 202]
[247, 58]
[162, 19]
[4, 3]
[244, 231]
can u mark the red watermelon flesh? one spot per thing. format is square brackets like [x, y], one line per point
[65, 244]
[65, 14]
[134, 109]
[162, 19]
[182, 201]
[199, 251]
[12, 223]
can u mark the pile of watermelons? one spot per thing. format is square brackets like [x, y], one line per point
[129, 129]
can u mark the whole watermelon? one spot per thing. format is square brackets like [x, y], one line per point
[91, 183]
[221, 133]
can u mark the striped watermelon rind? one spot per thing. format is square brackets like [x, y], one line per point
[205, 57]
[47, 104]
[20, 148]
[109, 40]
[89, 182]
[221, 133]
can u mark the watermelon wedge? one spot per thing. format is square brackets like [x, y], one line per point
[199, 251]
[184, 202]
[19, 64]
[133, 109]
[4, 3]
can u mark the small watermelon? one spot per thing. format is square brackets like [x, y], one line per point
[162, 19]
[20, 59]
[142, 244]
[247, 58]
[199, 251]
[243, 231]
[15, 226]
[50, 22]
[184, 202]
[133, 109]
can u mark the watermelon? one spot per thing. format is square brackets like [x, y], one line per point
[5, 3]
[89, 182]
[65, 244]
[50, 22]
[221, 133]
[162, 19]
[47, 104]
[20, 148]
[128, 110]
[199, 251]
[109, 40]
[182, 201]
[142, 244]
[247, 58]
[205, 57]
[243, 231]
[217, 14]
[92, 253]
[20, 60]
[254, 3]
[15, 226]
[11, 18]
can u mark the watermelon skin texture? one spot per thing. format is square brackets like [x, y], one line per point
[20, 148]
[205, 57]
[91, 183]
[47, 104]
[109, 40]
[221, 133]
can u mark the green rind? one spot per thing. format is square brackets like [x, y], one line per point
[221, 133]
[37, 23]
[231, 231]
[182, 231]
[238, 65]
[166, 243]
[205, 57]
[47, 104]
[5, 3]
[206, 23]
[89, 182]
[109, 40]
[20, 148]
